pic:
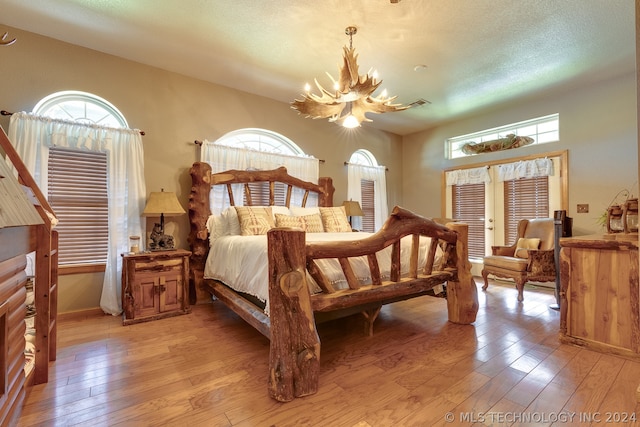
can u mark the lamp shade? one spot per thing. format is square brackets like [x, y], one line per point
[352, 208]
[163, 203]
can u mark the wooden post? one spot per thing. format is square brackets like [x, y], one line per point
[326, 197]
[198, 235]
[634, 299]
[462, 295]
[294, 357]
[565, 274]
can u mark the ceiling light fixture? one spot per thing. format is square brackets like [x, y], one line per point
[352, 95]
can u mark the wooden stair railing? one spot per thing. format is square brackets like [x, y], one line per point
[46, 269]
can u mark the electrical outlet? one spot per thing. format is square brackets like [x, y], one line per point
[583, 208]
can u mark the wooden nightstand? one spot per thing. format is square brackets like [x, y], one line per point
[155, 285]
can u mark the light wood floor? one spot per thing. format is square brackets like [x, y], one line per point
[209, 368]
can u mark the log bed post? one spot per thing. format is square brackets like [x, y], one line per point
[199, 209]
[462, 295]
[294, 356]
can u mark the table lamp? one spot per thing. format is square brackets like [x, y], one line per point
[352, 208]
[160, 204]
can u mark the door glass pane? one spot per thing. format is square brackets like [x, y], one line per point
[525, 198]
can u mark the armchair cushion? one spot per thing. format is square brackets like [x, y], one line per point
[523, 246]
[506, 263]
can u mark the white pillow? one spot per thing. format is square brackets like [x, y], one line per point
[281, 210]
[217, 226]
[298, 211]
[233, 224]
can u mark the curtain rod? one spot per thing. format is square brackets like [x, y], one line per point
[200, 144]
[7, 113]
[366, 166]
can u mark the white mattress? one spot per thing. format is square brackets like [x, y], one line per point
[241, 262]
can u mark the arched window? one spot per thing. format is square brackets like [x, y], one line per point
[258, 149]
[367, 185]
[77, 179]
[363, 157]
[80, 107]
[260, 140]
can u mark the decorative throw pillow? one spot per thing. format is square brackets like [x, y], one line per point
[523, 246]
[254, 221]
[308, 223]
[334, 220]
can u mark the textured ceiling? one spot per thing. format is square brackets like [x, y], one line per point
[478, 53]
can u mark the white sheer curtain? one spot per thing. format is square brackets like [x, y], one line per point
[525, 169]
[33, 135]
[355, 174]
[222, 158]
[468, 176]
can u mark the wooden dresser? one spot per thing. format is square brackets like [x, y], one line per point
[599, 293]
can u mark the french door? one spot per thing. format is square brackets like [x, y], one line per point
[493, 209]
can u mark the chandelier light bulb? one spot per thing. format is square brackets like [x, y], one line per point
[350, 122]
[307, 87]
[384, 94]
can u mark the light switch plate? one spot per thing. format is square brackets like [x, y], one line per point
[583, 208]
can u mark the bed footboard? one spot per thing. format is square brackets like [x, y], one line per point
[294, 358]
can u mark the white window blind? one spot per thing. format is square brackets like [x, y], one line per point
[525, 198]
[78, 195]
[368, 206]
[468, 207]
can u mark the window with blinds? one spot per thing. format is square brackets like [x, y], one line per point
[367, 188]
[260, 194]
[78, 195]
[524, 198]
[468, 207]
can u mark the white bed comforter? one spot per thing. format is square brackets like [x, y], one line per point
[241, 262]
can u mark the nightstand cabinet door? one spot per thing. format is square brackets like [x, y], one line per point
[145, 288]
[155, 285]
[171, 293]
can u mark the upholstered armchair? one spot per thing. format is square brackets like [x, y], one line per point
[529, 258]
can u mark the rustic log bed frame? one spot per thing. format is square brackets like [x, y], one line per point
[294, 361]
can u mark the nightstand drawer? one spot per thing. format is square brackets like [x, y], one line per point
[158, 265]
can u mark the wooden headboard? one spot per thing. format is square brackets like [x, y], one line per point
[200, 207]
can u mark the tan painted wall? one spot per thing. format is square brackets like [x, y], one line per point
[598, 127]
[173, 110]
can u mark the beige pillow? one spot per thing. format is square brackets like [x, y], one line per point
[334, 220]
[254, 221]
[308, 223]
[523, 246]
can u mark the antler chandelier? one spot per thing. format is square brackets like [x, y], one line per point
[352, 96]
